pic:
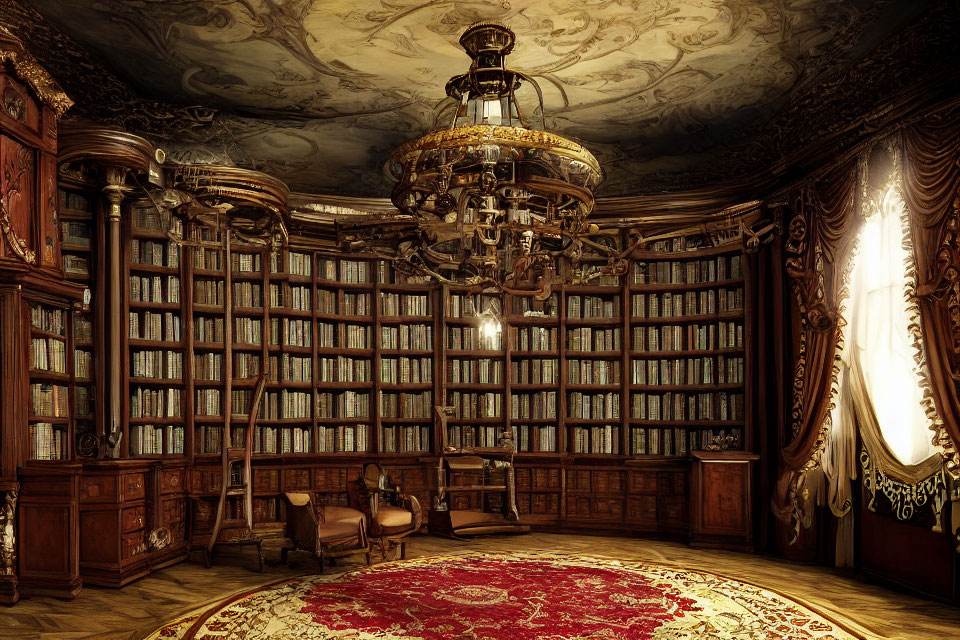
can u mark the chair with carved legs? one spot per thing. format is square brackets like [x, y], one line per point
[393, 515]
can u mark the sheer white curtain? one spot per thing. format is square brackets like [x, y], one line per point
[879, 336]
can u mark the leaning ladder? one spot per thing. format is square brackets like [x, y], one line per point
[237, 483]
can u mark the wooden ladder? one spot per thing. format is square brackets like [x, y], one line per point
[237, 482]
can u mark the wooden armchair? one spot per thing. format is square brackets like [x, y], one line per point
[393, 514]
[326, 531]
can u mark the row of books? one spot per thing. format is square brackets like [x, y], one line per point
[291, 368]
[406, 370]
[209, 259]
[75, 264]
[154, 219]
[593, 307]
[407, 336]
[709, 370]
[49, 400]
[403, 438]
[536, 438]
[344, 369]
[298, 264]
[207, 402]
[153, 325]
[344, 335]
[529, 306]
[146, 402]
[155, 253]
[282, 405]
[404, 304]
[715, 269]
[481, 371]
[47, 442]
[246, 263]
[676, 441]
[593, 371]
[208, 292]
[538, 405]
[593, 406]
[248, 330]
[466, 305]
[267, 439]
[689, 337]
[248, 294]
[593, 339]
[599, 439]
[207, 329]
[156, 364]
[209, 366]
[406, 405]
[298, 298]
[596, 274]
[475, 405]
[82, 364]
[75, 201]
[688, 303]
[681, 405]
[470, 338]
[148, 439]
[48, 319]
[351, 271]
[535, 371]
[533, 338]
[48, 354]
[82, 327]
[472, 436]
[347, 439]
[293, 332]
[82, 402]
[346, 404]
[159, 289]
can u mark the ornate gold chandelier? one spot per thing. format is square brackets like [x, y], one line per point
[490, 200]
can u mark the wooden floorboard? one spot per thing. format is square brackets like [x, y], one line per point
[132, 612]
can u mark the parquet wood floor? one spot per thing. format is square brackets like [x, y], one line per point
[134, 611]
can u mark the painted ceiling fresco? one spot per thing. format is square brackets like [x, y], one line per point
[318, 93]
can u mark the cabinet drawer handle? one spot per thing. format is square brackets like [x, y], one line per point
[139, 521]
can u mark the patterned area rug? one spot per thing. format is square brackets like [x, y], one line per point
[509, 596]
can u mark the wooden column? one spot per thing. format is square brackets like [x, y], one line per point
[114, 192]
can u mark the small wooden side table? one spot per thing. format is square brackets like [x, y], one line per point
[722, 500]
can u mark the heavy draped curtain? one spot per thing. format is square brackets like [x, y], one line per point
[822, 234]
[931, 190]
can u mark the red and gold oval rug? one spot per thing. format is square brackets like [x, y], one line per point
[510, 597]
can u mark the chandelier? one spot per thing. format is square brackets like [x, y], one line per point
[490, 200]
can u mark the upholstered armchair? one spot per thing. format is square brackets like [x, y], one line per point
[324, 530]
[393, 515]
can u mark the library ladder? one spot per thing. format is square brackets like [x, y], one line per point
[236, 485]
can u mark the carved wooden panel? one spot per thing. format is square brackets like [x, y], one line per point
[17, 194]
[172, 481]
[266, 480]
[99, 488]
[296, 479]
[546, 479]
[643, 481]
[608, 481]
[206, 480]
[134, 486]
[133, 518]
[324, 479]
[49, 233]
[545, 504]
[578, 480]
[673, 512]
[642, 509]
[672, 482]
[413, 480]
[19, 108]
[724, 501]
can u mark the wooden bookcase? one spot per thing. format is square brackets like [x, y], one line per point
[357, 357]
[51, 381]
[155, 340]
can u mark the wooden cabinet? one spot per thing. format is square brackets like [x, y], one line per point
[722, 499]
[121, 503]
